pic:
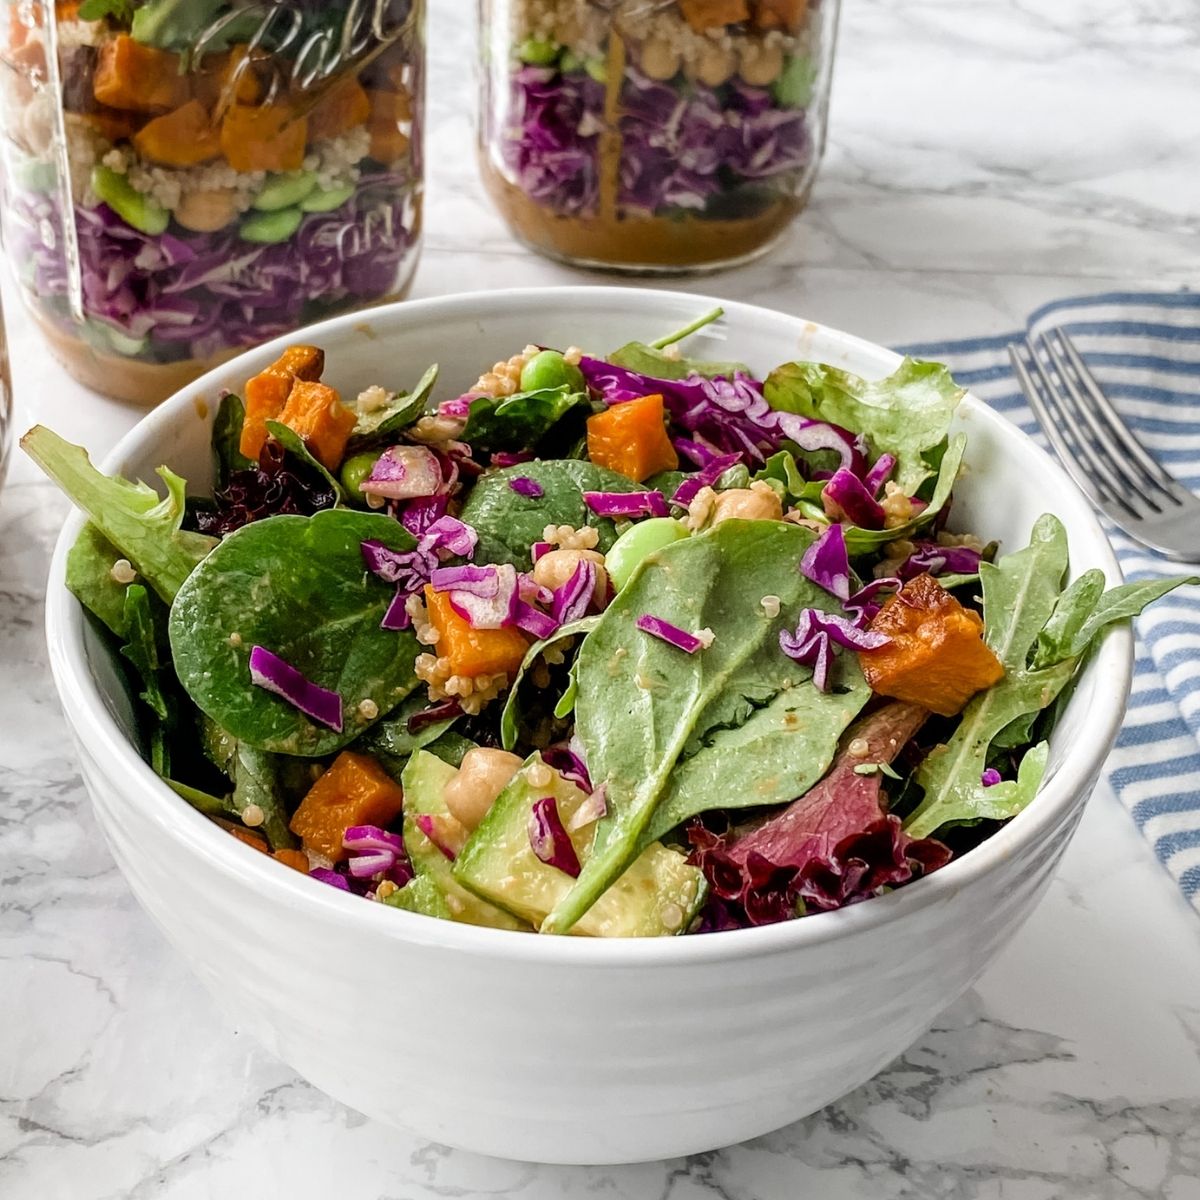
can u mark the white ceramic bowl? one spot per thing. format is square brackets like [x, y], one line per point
[563, 1049]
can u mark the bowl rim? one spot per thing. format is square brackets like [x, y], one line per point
[97, 730]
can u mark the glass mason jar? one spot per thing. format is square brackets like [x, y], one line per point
[186, 178]
[653, 135]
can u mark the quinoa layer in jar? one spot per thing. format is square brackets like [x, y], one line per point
[653, 135]
[186, 179]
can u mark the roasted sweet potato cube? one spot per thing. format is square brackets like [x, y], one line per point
[780, 14]
[389, 110]
[709, 14]
[473, 652]
[631, 438]
[138, 78]
[316, 412]
[248, 837]
[183, 137]
[267, 392]
[269, 137]
[344, 107]
[937, 657]
[296, 859]
[355, 790]
[215, 81]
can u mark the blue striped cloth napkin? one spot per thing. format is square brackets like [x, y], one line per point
[1144, 348]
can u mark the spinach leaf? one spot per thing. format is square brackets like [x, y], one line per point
[1019, 596]
[663, 728]
[296, 586]
[510, 717]
[520, 421]
[508, 524]
[132, 516]
[392, 418]
[647, 360]
[293, 443]
[256, 780]
[226, 440]
[905, 414]
[862, 541]
[450, 747]
[391, 736]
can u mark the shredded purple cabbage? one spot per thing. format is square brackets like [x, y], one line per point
[816, 635]
[548, 839]
[990, 777]
[671, 634]
[845, 496]
[827, 563]
[626, 504]
[572, 599]
[270, 672]
[933, 559]
[524, 486]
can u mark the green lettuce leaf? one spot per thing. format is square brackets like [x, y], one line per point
[905, 414]
[144, 526]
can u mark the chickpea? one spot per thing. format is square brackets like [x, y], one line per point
[761, 63]
[484, 774]
[555, 567]
[205, 211]
[758, 502]
[659, 59]
[715, 64]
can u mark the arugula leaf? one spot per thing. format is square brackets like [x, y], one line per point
[736, 724]
[141, 648]
[519, 421]
[404, 409]
[1055, 640]
[293, 443]
[647, 360]
[714, 314]
[1020, 594]
[1120, 604]
[295, 585]
[256, 780]
[226, 440]
[862, 541]
[905, 414]
[508, 524]
[511, 715]
[142, 525]
[173, 24]
[205, 802]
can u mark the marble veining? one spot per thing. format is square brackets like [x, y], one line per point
[983, 159]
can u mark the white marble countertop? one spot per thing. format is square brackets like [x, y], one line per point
[984, 158]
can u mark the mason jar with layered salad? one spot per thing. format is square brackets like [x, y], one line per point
[186, 178]
[653, 135]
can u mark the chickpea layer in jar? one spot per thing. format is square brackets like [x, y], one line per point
[653, 136]
[184, 181]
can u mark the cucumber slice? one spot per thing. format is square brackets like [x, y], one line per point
[270, 227]
[285, 191]
[421, 895]
[656, 897]
[327, 201]
[424, 781]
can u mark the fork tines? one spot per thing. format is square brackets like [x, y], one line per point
[1099, 450]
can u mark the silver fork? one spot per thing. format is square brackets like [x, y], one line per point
[1100, 452]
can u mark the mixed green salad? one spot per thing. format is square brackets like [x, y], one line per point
[626, 646]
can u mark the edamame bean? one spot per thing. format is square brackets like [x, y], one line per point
[131, 206]
[548, 369]
[538, 53]
[794, 87]
[570, 62]
[267, 228]
[355, 471]
[327, 201]
[284, 191]
[635, 544]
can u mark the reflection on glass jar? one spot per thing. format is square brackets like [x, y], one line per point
[658, 135]
[228, 169]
